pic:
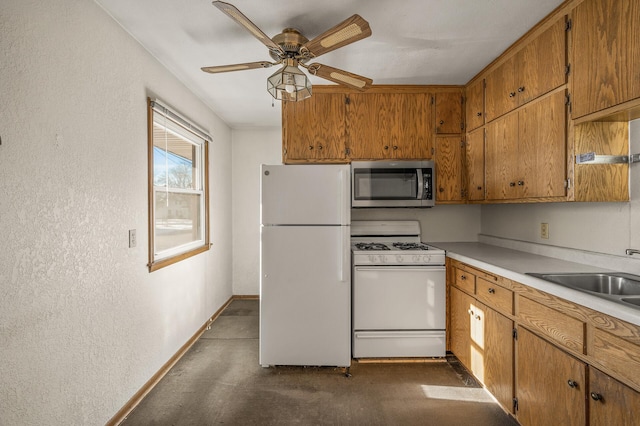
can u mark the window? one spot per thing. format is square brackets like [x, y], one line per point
[178, 197]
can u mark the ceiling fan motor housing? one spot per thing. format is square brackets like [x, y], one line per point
[290, 40]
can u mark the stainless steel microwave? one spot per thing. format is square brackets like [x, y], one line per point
[392, 184]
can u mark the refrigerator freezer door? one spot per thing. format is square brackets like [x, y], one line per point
[305, 296]
[305, 195]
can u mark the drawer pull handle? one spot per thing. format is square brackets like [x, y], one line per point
[596, 396]
[572, 383]
[492, 290]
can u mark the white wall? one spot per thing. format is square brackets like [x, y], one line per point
[251, 148]
[608, 228]
[83, 324]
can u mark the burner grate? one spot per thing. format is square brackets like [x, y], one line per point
[411, 246]
[372, 246]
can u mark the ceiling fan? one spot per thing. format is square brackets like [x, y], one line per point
[291, 49]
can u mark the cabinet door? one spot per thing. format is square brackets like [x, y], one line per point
[611, 402]
[551, 387]
[605, 54]
[390, 125]
[498, 356]
[448, 112]
[542, 148]
[475, 165]
[461, 319]
[414, 130]
[370, 123]
[449, 168]
[315, 129]
[474, 105]
[501, 90]
[541, 63]
[501, 158]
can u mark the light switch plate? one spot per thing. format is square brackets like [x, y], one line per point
[132, 238]
[544, 231]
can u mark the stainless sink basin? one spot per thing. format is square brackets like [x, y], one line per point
[614, 286]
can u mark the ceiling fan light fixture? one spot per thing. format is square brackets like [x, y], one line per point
[289, 83]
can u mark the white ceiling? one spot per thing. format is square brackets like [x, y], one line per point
[413, 42]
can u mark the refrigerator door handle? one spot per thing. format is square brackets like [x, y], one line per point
[341, 188]
[344, 260]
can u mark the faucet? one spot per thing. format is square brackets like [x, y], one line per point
[632, 251]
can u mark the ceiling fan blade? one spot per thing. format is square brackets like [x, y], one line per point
[232, 12]
[237, 67]
[346, 32]
[339, 76]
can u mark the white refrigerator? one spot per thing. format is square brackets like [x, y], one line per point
[305, 265]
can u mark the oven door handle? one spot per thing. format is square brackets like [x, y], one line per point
[401, 268]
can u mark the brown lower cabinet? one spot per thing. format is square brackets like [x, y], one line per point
[544, 359]
[551, 386]
[611, 402]
[481, 339]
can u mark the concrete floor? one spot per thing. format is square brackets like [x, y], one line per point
[219, 381]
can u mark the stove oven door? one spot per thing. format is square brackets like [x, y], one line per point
[399, 311]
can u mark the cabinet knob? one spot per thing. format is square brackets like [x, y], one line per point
[596, 396]
[320, 147]
[512, 94]
[520, 182]
[478, 317]
[441, 122]
[310, 147]
[470, 312]
[441, 189]
[478, 114]
[572, 383]
[512, 184]
[521, 89]
[492, 290]
[386, 147]
[395, 147]
[479, 188]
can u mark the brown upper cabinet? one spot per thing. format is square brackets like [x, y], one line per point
[449, 112]
[314, 130]
[474, 105]
[449, 176]
[605, 54]
[338, 125]
[390, 125]
[537, 68]
[525, 153]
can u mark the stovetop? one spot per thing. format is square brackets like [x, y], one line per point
[374, 246]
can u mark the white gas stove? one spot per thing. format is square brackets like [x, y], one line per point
[399, 291]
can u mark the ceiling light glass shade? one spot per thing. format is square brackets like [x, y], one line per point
[289, 83]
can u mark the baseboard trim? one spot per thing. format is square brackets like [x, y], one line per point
[122, 414]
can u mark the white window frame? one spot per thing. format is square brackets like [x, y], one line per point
[181, 127]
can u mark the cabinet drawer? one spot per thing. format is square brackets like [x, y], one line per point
[617, 354]
[499, 298]
[465, 281]
[562, 329]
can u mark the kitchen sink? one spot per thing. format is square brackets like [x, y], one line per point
[613, 286]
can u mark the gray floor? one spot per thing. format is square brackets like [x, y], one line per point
[219, 381]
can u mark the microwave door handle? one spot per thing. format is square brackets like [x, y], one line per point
[420, 184]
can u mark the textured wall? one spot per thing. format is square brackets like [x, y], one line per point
[251, 148]
[82, 323]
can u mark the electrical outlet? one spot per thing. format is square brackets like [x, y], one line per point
[544, 231]
[132, 238]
